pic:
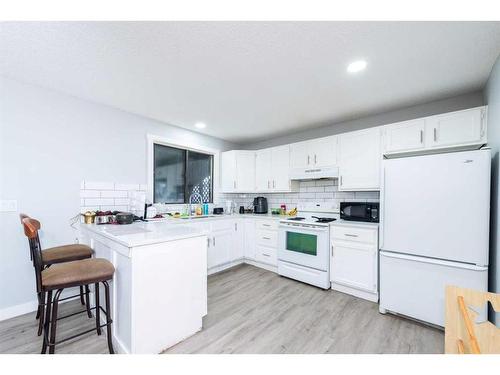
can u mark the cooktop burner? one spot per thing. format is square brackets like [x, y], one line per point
[297, 218]
[324, 219]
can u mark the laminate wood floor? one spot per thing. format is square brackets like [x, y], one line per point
[251, 310]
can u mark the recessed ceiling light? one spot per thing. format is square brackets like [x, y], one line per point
[356, 66]
[200, 125]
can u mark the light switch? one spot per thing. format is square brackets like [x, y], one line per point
[8, 205]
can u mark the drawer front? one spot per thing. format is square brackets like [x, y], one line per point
[267, 238]
[267, 255]
[267, 224]
[355, 234]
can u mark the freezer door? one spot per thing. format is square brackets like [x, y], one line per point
[415, 286]
[437, 206]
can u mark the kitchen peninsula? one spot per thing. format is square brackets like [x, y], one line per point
[159, 291]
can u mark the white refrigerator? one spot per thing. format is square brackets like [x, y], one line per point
[434, 230]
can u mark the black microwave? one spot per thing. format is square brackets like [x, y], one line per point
[359, 211]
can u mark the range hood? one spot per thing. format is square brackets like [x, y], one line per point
[314, 173]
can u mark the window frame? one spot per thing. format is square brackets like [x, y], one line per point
[154, 139]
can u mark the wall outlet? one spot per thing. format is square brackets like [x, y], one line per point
[8, 205]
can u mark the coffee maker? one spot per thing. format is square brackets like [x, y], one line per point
[260, 205]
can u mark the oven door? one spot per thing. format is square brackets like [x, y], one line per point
[305, 245]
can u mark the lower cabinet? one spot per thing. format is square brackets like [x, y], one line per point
[354, 260]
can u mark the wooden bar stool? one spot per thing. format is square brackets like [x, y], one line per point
[60, 254]
[52, 281]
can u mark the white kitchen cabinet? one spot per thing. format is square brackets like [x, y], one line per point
[354, 259]
[320, 152]
[249, 243]
[238, 171]
[272, 170]
[237, 250]
[457, 128]
[404, 136]
[359, 160]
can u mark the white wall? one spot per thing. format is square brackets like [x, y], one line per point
[49, 143]
[492, 97]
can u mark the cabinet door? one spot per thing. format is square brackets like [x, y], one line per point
[455, 129]
[211, 255]
[222, 243]
[280, 160]
[249, 239]
[299, 155]
[323, 151]
[404, 136]
[359, 164]
[263, 170]
[238, 245]
[354, 264]
[245, 171]
[228, 171]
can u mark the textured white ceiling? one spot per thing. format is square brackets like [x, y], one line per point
[251, 80]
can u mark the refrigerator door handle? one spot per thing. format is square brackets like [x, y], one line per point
[439, 262]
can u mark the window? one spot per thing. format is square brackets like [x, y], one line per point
[178, 173]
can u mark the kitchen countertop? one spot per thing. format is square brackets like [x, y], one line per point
[142, 233]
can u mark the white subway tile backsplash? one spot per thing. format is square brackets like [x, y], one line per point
[127, 187]
[315, 189]
[122, 201]
[99, 201]
[328, 182]
[90, 193]
[114, 194]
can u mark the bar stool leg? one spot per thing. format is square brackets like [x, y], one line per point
[87, 301]
[46, 323]
[38, 311]
[81, 295]
[97, 309]
[41, 303]
[53, 325]
[108, 318]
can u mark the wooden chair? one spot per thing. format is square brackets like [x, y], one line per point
[463, 333]
[60, 254]
[53, 280]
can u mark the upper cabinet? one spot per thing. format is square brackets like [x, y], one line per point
[455, 130]
[359, 160]
[320, 152]
[238, 171]
[404, 136]
[272, 169]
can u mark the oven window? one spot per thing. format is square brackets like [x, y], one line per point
[302, 243]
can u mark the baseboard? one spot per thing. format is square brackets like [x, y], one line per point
[265, 266]
[373, 297]
[31, 306]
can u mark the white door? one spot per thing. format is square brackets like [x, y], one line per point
[456, 128]
[354, 265]
[323, 151]
[263, 170]
[245, 171]
[280, 159]
[415, 286]
[228, 171]
[359, 164]
[438, 206]
[299, 155]
[404, 136]
[238, 244]
[249, 246]
[222, 243]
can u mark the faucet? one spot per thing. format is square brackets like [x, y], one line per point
[191, 201]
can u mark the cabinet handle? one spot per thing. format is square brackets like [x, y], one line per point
[340, 180]
[266, 255]
[208, 242]
[435, 135]
[268, 184]
[315, 159]
[308, 160]
[265, 238]
[266, 225]
[213, 241]
[234, 184]
[421, 136]
[332, 251]
[274, 184]
[350, 235]
[235, 227]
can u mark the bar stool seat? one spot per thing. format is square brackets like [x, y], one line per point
[66, 253]
[81, 272]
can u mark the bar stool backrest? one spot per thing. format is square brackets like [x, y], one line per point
[24, 216]
[31, 227]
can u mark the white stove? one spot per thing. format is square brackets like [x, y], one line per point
[303, 248]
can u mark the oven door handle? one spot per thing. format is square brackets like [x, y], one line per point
[303, 228]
